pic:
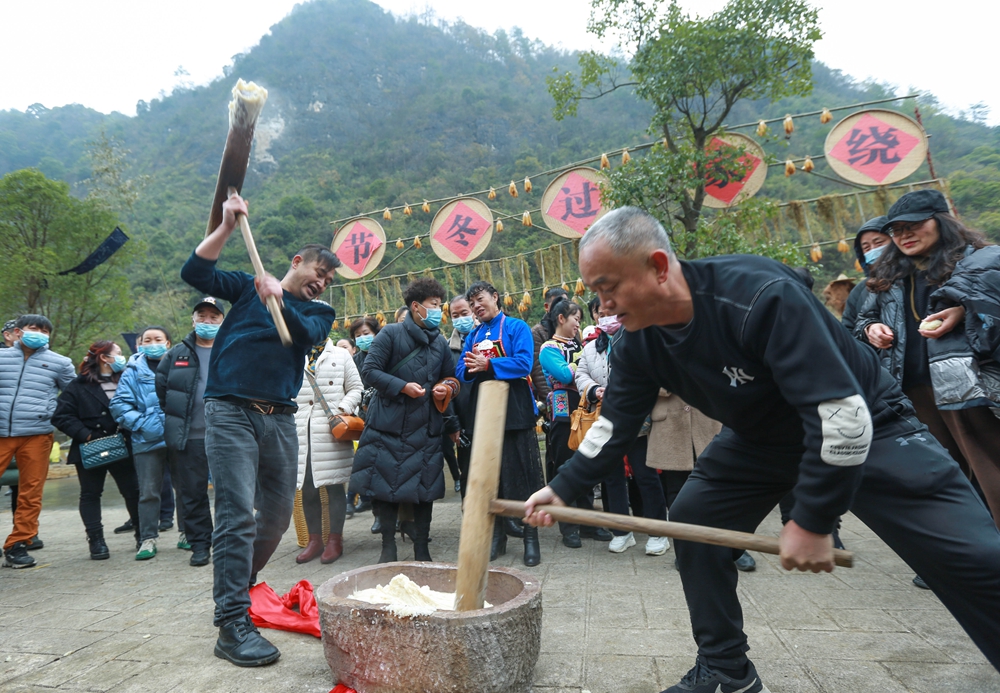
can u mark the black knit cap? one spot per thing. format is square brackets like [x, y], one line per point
[916, 206]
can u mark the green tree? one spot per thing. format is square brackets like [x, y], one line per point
[43, 230]
[692, 71]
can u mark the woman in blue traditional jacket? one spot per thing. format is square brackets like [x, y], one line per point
[501, 348]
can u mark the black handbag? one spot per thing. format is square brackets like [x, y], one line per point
[102, 451]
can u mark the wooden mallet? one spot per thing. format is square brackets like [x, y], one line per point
[481, 506]
[244, 109]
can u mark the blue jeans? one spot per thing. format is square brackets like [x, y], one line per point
[254, 462]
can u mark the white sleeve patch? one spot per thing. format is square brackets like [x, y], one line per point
[597, 437]
[847, 431]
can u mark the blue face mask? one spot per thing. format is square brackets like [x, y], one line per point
[433, 318]
[36, 340]
[872, 255]
[364, 341]
[464, 324]
[153, 351]
[206, 330]
[119, 364]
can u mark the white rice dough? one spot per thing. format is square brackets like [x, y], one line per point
[406, 599]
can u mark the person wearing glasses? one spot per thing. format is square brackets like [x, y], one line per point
[916, 316]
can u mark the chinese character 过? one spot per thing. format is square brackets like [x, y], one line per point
[583, 200]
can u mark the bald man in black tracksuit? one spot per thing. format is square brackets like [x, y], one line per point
[806, 408]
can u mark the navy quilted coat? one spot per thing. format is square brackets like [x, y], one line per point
[399, 457]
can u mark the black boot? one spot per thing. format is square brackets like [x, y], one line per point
[532, 551]
[98, 549]
[514, 527]
[242, 644]
[499, 546]
[387, 517]
[421, 531]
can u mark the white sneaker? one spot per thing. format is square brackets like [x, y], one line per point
[619, 544]
[147, 550]
[657, 546]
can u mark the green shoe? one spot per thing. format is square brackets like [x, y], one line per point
[182, 542]
[147, 550]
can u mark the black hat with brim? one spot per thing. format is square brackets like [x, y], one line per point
[916, 206]
[210, 301]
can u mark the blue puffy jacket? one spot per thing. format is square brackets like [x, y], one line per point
[136, 407]
[29, 388]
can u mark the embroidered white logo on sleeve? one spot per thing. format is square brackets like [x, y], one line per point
[847, 431]
[597, 437]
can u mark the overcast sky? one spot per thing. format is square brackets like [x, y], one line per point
[109, 54]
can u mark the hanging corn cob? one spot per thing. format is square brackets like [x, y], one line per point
[762, 129]
[825, 117]
[789, 168]
[426, 207]
[512, 189]
[857, 266]
[789, 126]
[808, 165]
[626, 157]
[387, 215]
[815, 254]
[407, 211]
[527, 184]
[842, 246]
[526, 299]
[604, 162]
[499, 226]
[581, 289]
[416, 242]
[507, 299]
[380, 318]
[335, 325]
[526, 219]
[492, 195]
[400, 245]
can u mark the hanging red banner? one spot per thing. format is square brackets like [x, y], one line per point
[461, 230]
[876, 147]
[572, 202]
[360, 245]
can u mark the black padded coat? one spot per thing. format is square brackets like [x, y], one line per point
[399, 457]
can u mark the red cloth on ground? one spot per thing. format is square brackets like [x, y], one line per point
[341, 688]
[268, 610]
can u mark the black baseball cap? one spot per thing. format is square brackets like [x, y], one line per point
[916, 206]
[209, 301]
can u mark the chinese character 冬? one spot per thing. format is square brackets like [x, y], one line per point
[460, 228]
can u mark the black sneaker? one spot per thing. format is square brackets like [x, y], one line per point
[702, 679]
[165, 525]
[17, 556]
[598, 533]
[572, 540]
[35, 543]
[125, 528]
[919, 582]
[200, 557]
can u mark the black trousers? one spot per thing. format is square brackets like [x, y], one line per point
[450, 458]
[190, 480]
[312, 504]
[92, 487]
[654, 504]
[912, 495]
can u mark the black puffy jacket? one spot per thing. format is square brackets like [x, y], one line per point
[399, 457]
[176, 386]
[83, 411]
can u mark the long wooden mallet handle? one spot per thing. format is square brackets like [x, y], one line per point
[273, 307]
[660, 528]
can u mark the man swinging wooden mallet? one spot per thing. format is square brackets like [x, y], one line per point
[805, 407]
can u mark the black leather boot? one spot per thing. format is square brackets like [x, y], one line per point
[499, 546]
[421, 531]
[387, 515]
[98, 549]
[532, 551]
[242, 644]
[514, 527]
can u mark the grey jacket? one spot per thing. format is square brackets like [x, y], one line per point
[29, 389]
[887, 308]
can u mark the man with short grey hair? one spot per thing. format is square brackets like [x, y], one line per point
[806, 408]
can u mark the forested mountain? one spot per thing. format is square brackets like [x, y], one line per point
[367, 110]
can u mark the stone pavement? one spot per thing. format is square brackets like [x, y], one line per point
[612, 623]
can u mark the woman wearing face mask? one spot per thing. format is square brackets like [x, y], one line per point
[83, 413]
[591, 379]
[399, 457]
[502, 348]
[921, 286]
[136, 408]
[464, 322]
[362, 332]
